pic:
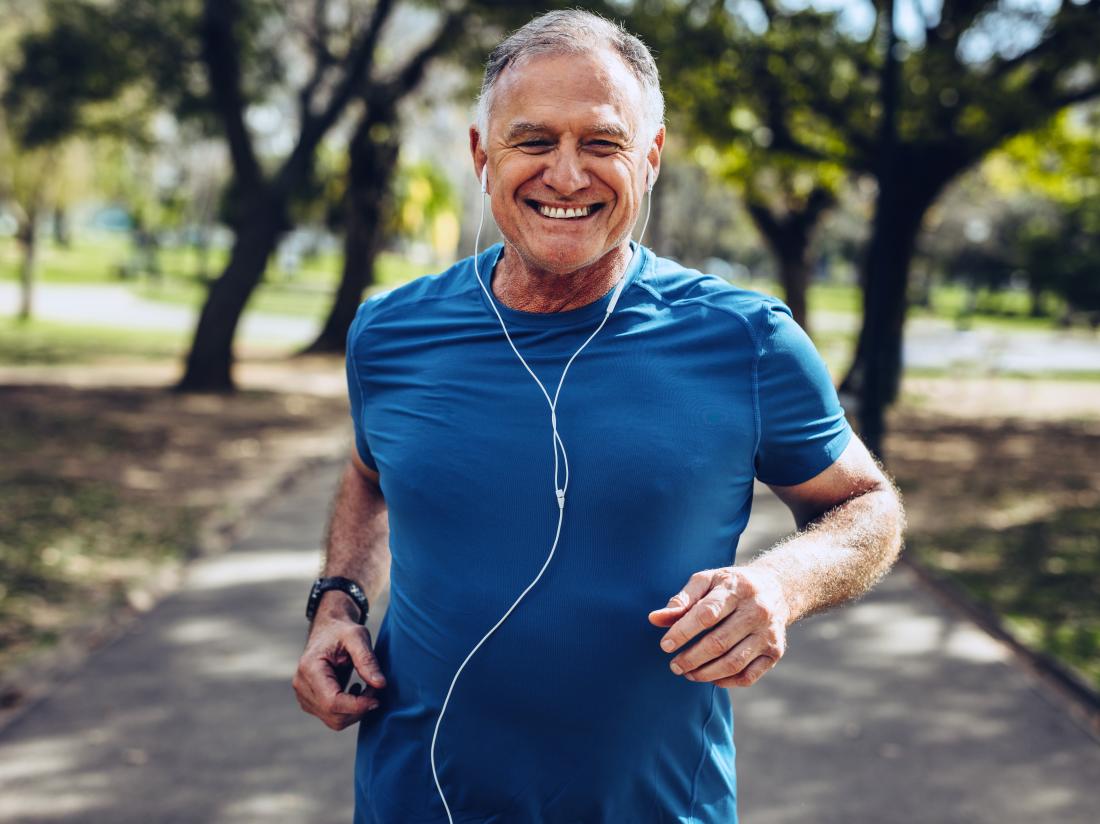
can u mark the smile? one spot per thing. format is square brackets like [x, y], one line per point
[565, 213]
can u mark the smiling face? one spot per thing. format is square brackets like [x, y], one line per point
[567, 158]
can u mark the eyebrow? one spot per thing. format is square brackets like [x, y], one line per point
[524, 128]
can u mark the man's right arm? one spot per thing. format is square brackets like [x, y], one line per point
[356, 547]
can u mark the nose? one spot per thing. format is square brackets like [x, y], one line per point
[565, 173]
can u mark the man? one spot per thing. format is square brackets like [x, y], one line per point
[574, 484]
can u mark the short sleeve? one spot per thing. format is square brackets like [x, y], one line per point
[802, 425]
[355, 386]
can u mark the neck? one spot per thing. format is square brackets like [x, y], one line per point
[528, 288]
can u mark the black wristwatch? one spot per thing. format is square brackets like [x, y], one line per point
[345, 585]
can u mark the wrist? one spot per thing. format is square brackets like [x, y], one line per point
[773, 587]
[336, 605]
[351, 591]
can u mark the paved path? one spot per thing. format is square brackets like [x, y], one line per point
[893, 711]
[930, 343]
[119, 307]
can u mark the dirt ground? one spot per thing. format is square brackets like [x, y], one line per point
[109, 490]
[1002, 486]
[994, 452]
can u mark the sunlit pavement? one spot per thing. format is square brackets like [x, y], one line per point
[889, 712]
[118, 307]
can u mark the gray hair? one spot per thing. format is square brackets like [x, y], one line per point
[574, 31]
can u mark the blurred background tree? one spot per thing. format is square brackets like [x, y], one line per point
[240, 66]
[727, 85]
[913, 115]
[796, 105]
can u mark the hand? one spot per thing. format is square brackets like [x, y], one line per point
[336, 643]
[743, 616]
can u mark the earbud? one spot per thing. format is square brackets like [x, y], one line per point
[649, 179]
[485, 179]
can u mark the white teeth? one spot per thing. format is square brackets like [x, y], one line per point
[555, 212]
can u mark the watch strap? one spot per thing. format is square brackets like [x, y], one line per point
[345, 585]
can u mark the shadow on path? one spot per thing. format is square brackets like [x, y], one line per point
[894, 710]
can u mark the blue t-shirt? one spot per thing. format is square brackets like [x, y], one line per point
[569, 712]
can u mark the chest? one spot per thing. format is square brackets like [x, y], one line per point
[656, 410]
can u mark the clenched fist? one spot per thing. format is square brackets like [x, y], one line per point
[335, 645]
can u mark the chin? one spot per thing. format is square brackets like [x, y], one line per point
[560, 259]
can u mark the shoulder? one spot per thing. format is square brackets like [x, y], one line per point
[681, 288]
[450, 283]
[418, 295]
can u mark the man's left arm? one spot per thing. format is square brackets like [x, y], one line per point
[728, 626]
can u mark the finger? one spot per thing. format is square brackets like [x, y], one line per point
[340, 721]
[351, 705]
[666, 616]
[334, 710]
[317, 681]
[357, 644]
[697, 586]
[339, 710]
[750, 674]
[707, 612]
[721, 639]
[731, 662]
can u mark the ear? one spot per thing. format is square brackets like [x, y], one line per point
[480, 158]
[653, 157]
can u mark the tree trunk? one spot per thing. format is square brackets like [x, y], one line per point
[875, 373]
[210, 361]
[794, 275]
[28, 239]
[788, 237]
[61, 228]
[886, 267]
[373, 160]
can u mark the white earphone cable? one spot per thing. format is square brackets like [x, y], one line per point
[556, 443]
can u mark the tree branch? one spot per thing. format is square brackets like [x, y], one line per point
[317, 35]
[314, 126]
[360, 57]
[1068, 24]
[410, 76]
[220, 52]
[1078, 96]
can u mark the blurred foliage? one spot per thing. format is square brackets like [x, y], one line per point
[98, 68]
[1029, 219]
[913, 114]
[426, 208]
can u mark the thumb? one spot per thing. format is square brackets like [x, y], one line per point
[669, 615]
[358, 647]
[697, 586]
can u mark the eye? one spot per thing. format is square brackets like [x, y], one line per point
[535, 146]
[604, 146]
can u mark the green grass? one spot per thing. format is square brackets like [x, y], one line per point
[108, 257]
[1083, 376]
[1042, 578]
[307, 297]
[836, 349]
[1008, 310]
[267, 299]
[37, 342]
